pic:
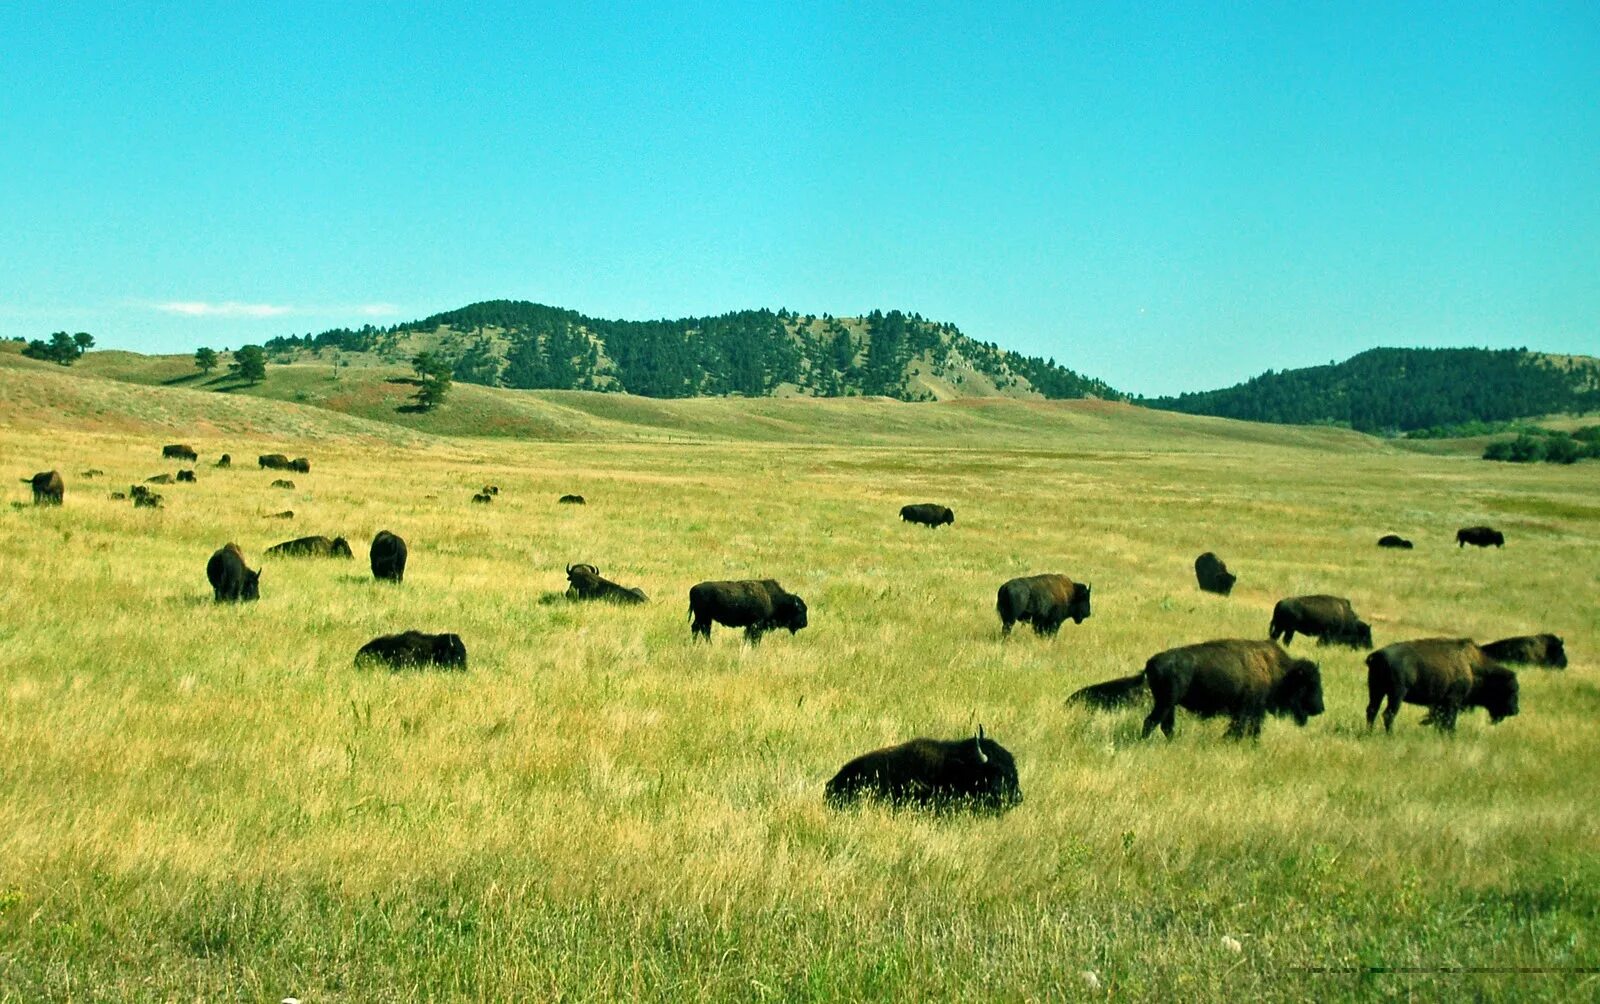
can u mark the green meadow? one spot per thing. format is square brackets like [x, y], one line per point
[203, 802]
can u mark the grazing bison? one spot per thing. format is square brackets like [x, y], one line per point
[388, 557]
[119, 496]
[281, 483]
[927, 513]
[93, 472]
[585, 583]
[273, 461]
[414, 650]
[1044, 601]
[1111, 694]
[300, 465]
[186, 477]
[1394, 540]
[940, 774]
[1245, 680]
[1480, 536]
[48, 488]
[225, 461]
[147, 500]
[1213, 575]
[159, 479]
[757, 605]
[230, 580]
[482, 499]
[1533, 650]
[1445, 675]
[570, 500]
[491, 489]
[179, 451]
[1329, 619]
[313, 547]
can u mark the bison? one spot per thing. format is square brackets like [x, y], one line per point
[93, 472]
[1044, 601]
[482, 499]
[491, 489]
[1243, 679]
[231, 581]
[757, 605]
[273, 461]
[313, 547]
[144, 498]
[1213, 575]
[570, 500]
[1111, 694]
[927, 513]
[225, 461]
[1480, 536]
[186, 477]
[286, 514]
[585, 583]
[179, 451]
[300, 465]
[1329, 619]
[159, 479]
[1533, 650]
[281, 483]
[1394, 540]
[939, 774]
[48, 488]
[388, 557]
[1445, 675]
[415, 649]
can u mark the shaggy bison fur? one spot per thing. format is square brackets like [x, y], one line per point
[1480, 536]
[1329, 619]
[939, 774]
[1213, 575]
[1532, 650]
[1443, 674]
[927, 513]
[1044, 601]
[1243, 679]
[415, 650]
[388, 557]
[757, 605]
[1118, 693]
[231, 581]
[48, 488]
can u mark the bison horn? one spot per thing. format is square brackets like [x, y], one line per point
[569, 569]
[978, 742]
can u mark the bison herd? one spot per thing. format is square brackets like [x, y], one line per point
[1244, 680]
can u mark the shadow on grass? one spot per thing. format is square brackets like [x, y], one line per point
[406, 381]
[185, 378]
[411, 409]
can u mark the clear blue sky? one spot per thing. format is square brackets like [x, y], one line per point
[1169, 197]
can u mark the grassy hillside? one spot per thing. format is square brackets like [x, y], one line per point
[204, 802]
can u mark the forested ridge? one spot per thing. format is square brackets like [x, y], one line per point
[1396, 390]
[513, 343]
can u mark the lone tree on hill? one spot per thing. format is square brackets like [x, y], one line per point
[433, 373]
[249, 363]
[205, 360]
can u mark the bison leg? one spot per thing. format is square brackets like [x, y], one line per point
[701, 627]
[1444, 716]
[1162, 714]
[1049, 626]
[1396, 696]
[1005, 626]
[1374, 700]
[752, 634]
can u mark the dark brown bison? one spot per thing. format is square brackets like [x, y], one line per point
[1213, 575]
[940, 774]
[585, 583]
[1245, 680]
[179, 451]
[48, 488]
[273, 461]
[482, 499]
[1480, 536]
[286, 514]
[1443, 674]
[1394, 540]
[1329, 619]
[230, 580]
[119, 496]
[159, 479]
[491, 489]
[313, 547]
[415, 650]
[570, 500]
[300, 465]
[757, 605]
[225, 461]
[144, 498]
[1531, 650]
[1117, 693]
[927, 513]
[281, 483]
[1044, 601]
[388, 557]
[186, 477]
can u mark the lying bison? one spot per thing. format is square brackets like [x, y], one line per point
[48, 488]
[1044, 601]
[1118, 693]
[1213, 575]
[281, 483]
[144, 498]
[939, 774]
[1245, 680]
[312, 547]
[1532, 650]
[757, 605]
[1329, 619]
[388, 557]
[570, 500]
[286, 514]
[159, 479]
[225, 461]
[414, 650]
[1394, 540]
[927, 513]
[584, 583]
[483, 498]
[186, 477]
[1443, 674]
[179, 451]
[230, 580]
[1480, 536]
[93, 472]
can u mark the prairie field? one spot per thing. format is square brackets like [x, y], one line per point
[208, 802]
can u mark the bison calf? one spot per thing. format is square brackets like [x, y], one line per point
[231, 581]
[313, 547]
[1213, 575]
[927, 513]
[1480, 536]
[1329, 619]
[414, 649]
[1443, 674]
[388, 557]
[939, 774]
[1533, 650]
[757, 605]
[1045, 601]
[584, 583]
[48, 488]
[1245, 680]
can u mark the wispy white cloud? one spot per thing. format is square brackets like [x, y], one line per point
[377, 310]
[233, 308]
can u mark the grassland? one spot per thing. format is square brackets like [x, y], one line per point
[202, 802]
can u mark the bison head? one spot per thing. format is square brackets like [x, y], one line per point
[1555, 652]
[1359, 633]
[341, 547]
[449, 651]
[946, 517]
[1495, 690]
[1078, 606]
[789, 611]
[1299, 693]
[252, 585]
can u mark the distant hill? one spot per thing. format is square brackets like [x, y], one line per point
[753, 353]
[1398, 390]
